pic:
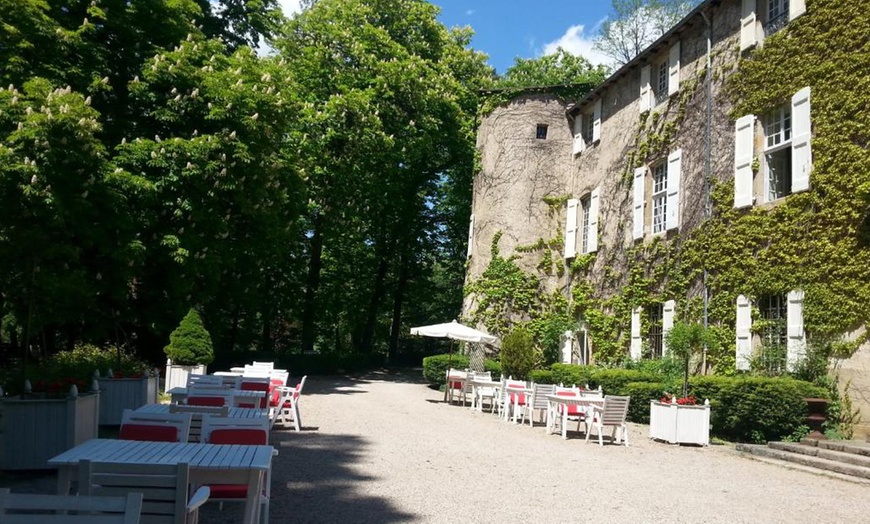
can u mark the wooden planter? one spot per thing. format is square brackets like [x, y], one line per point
[35, 430]
[125, 393]
[679, 424]
[176, 376]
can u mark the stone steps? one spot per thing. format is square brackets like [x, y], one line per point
[849, 460]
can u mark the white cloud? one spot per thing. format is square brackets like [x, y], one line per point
[576, 42]
[470, 12]
[290, 7]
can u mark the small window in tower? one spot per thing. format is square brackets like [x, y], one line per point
[541, 133]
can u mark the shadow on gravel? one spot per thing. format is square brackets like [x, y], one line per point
[313, 481]
[350, 384]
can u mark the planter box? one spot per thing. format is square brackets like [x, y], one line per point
[176, 376]
[35, 430]
[125, 393]
[679, 424]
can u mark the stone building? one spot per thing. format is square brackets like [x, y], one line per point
[601, 192]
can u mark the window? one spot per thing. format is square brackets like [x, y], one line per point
[772, 353]
[661, 85]
[581, 224]
[656, 334]
[585, 208]
[587, 127]
[776, 342]
[659, 197]
[541, 132]
[777, 153]
[660, 79]
[777, 16]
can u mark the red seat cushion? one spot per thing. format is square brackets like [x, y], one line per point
[258, 386]
[456, 385]
[252, 437]
[518, 398]
[228, 491]
[572, 410]
[205, 401]
[149, 433]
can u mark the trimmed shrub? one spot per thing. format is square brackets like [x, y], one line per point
[493, 366]
[571, 374]
[435, 367]
[641, 393]
[517, 353]
[542, 376]
[190, 344]
[614, 381]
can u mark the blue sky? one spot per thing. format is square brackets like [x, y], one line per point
[505, 29]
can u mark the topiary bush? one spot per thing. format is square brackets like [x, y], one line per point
[435, 367]
[517, 353]
[190, 344]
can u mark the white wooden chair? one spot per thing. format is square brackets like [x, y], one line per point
[455, 385]
[537, 400]
[482, 393]
[165, 488]
[263, 365]
[209, 396]
[21, 508]
[506, 405]
[159, 427]
[203, 380]
[291, 406]
[197, 415]
[239, 431]
[612, 414]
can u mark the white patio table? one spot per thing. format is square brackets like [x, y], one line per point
[240, 396]
[478, 386]
[515, 392]
[164, 409]
[553, 401]
[209, 463]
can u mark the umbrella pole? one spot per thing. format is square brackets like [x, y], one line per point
[449, 361]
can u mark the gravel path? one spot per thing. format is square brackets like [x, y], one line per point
[383, 448]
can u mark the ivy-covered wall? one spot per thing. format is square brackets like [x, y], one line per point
[816, 241]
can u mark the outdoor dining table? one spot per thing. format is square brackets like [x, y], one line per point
[209, 463]
[512, 393]
[240, 396]
[164, 409]
[477, 386]
[553, 401]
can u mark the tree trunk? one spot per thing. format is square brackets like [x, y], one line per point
[315, 265]
[398, 300]
[368, 333]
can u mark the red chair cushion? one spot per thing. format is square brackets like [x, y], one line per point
[228, 491]
[258, 386]
[456, 385]
[252, 437]
[518, 398]
[149, 433]
[205, 401]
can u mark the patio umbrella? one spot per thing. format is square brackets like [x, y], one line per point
[454, 331]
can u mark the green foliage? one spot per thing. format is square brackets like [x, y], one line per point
[685, 341]
[542, 376]
[190, 344]
[635, 24]
[435, 367]
[615, 381]
[517, 353]
[641, 394]
[571, 374]
[493, 366]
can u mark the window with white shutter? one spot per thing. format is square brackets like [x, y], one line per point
[744, 154]
[801, 153]
[645, 103]
[748, 19]
[675, 161]
[636, 344]
[777, 153]
[668, 310]
[592, 222]
[796, 8]
[638, 192]
[571, 229]
[796, 343]
[743, 330]
[596, 121]
[470, 235]
[674, 69]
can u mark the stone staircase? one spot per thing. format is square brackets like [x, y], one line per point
[845, 459]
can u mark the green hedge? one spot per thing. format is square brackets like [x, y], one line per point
[614, 381]
[571, 374]
[641, 393]
[435, 367]
[542, 376]
[493, 366]
[755, 409]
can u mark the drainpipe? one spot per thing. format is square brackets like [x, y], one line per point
[708, 161]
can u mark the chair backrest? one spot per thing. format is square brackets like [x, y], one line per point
[590, 393]
[263, 365]
[21, 508]
[164, 488]
[539, 395]
[454, 376]
[204, 379]
[157, 427]
[258, 384]
[300, 385]
[279, 376]
[259, 372]
[483, 375]
[231, 381]
[203, 396]
[615, 410]
[253, 431]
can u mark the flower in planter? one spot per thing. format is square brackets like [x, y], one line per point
[681, 401]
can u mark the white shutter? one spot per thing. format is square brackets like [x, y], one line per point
[596, 121]
[747, 25]
[801, 150]
[635, 349]
[571, 229]
[744, 332]
[796, 8]
[592, 234]
[744, 153]
[638, 190]
[579, 144]
[674, 69]
[667, 323]
[675, 161]
[645, 90]
[470, 235]
[795, 346]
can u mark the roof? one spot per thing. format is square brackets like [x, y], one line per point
[643, 55]
[541, 88]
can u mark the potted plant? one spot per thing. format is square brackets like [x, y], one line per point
[189, 351]
[125, 390]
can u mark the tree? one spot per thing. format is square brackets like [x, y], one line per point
[686, 340]
[518, 353]
[559, 68]
[635, 24]
[190, 344]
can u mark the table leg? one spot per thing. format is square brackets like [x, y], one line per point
[252, 502]
[64, 479]
[565, 423]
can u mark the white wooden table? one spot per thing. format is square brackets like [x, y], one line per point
[164, 409]
[515, 392]
[240, 396]
[209, 463]
[478, 385]
[554, 402]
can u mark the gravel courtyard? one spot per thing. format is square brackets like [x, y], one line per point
[383, 448]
